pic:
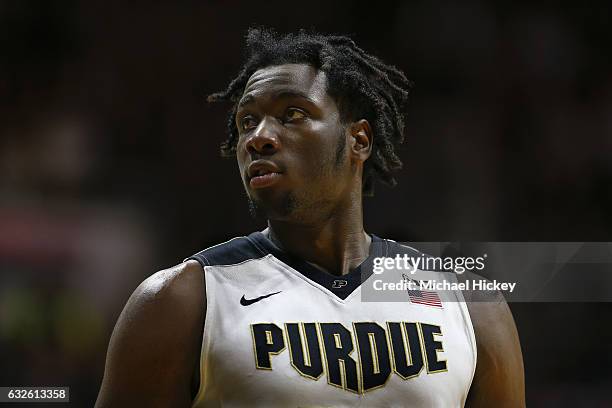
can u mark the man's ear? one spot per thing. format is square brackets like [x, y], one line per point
[361, 139]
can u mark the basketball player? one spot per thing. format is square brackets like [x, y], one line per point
[276, 318]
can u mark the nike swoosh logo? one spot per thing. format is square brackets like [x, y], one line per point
[247, 302]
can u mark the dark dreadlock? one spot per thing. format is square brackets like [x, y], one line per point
[362, 86]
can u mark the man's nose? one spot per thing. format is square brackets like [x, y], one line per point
[264, 139]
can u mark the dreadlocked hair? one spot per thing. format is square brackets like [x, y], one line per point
[361, 84]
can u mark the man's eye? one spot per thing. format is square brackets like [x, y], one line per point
[294, 114]
[248, 123]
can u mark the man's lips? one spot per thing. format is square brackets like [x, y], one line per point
[262, 173]
[264, 181]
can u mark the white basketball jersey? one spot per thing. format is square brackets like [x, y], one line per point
[280, 332]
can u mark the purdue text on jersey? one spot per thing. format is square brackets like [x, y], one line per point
[403, 348]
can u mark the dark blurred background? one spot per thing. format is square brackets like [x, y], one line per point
[109, 165]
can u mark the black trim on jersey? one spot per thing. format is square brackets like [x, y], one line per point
[344, 285]
[257, 245]
[398, 249]
[228, 253]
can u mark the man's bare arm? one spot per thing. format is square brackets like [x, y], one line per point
[155, 346]
[499, 379]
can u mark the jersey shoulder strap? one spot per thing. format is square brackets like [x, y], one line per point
[234, 251]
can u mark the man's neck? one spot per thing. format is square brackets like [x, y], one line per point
[337, 244]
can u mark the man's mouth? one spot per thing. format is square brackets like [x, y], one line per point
[264, 180]
[262, 174]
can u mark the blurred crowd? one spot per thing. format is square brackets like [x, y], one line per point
[110, 169]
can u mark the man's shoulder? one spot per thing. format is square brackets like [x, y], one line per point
[180, 283]
[230, 252]
[491, 317]
[154, 347]
[488, 302]
[480, 296]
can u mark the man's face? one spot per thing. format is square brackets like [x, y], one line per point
[291, 146]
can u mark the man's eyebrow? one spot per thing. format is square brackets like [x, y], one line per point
[282, 94]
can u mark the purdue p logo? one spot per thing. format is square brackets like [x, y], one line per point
[339, 283]
[316, 348]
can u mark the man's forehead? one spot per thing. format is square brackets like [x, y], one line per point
[302, 78]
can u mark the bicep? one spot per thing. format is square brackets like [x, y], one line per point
[499, 379]
[154, 347]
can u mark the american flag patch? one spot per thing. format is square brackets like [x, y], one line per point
[423, 297]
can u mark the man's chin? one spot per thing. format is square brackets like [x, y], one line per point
[255, 210]
[280, 209]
